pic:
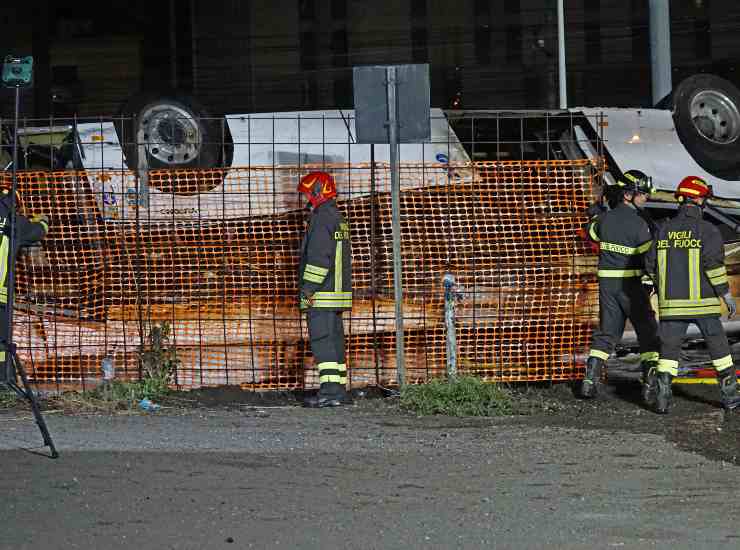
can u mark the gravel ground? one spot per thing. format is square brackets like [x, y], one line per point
[231, 472]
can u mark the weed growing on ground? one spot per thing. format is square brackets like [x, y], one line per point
[8, 398]
[461, 396]
[158, 363]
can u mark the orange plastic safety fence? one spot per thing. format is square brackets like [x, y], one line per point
[213, 254]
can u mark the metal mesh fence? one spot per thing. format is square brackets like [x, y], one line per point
[217, 261]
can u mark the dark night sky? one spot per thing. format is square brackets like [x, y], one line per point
[298, 54]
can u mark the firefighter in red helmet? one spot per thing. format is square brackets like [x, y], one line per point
[687, 264]
[325, 283]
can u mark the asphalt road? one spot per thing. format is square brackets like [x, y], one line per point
[363, 477]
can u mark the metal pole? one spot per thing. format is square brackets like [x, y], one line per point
[396, 221]
[562, 75]
[11, 229]
[450, 297]
[660, 49]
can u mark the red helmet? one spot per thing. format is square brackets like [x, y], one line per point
[318, 187]
[693, 187]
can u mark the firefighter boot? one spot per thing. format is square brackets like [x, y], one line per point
[727, 379]
[592, 380]
[664, 395]
[649, 382]
[331, 394]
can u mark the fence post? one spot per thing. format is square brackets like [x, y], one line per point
[452, 294]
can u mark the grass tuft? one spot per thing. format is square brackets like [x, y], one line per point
[8, 398]
[461, 396]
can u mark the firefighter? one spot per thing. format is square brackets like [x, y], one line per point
[623, 236]
[28, 231]
[325, 283]
[687, 264]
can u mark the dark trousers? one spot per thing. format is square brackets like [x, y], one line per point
[326, 334]
[619, 300]
[7, 369]
[672, 332]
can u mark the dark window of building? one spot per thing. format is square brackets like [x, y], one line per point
[482, 38]
[513, 31]
[418, 9]
[419, 45]
[309, 50]
[339, 48]
[703, 37]
[343, 92]
[310, 92]
[592, 31]
[640, 32]
[482, 10]
[306, 10]
[514, 44]
[339, 9]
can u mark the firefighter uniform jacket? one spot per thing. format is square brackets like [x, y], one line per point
[623, 236]
[27, 232]
[687, 265]
[325, 270]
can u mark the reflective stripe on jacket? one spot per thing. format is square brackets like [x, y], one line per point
[325, 269]
[624, 237]
[687, 265]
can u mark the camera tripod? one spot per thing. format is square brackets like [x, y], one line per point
[11, 367]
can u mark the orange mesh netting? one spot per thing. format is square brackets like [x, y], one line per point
[217, 262]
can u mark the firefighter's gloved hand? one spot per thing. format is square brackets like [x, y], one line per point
[306, 301]
[731, 305]
[647, 284]
[40, 218]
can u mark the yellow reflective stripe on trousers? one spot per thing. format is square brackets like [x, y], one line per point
[694, 274]
[723, 362]
[342, 368]
[332, 367]
[620, 273]
[324, 378]
[669, 366]
[598, 354]
[338, 268]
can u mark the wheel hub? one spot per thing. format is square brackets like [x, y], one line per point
[715, 116]
[171, 134]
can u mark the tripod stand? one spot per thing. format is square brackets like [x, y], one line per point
[11, 364]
